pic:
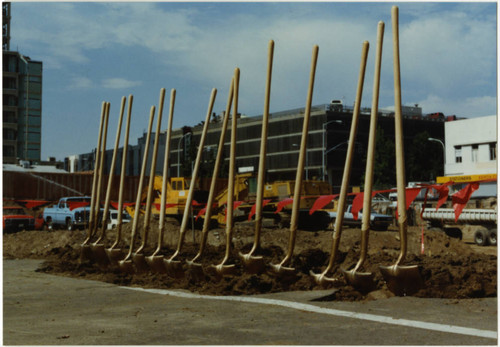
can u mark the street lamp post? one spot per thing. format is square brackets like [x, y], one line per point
[324, 145]
[338, 145]
[442, 144]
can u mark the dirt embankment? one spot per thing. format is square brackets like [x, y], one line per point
[450, 268]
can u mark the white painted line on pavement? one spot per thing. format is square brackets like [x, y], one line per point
[311, 308]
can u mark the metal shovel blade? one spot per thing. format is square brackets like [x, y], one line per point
[174, 268]
[139, 261]
[114, 255]
[284, 271]
[99, 254]
[126, 266]
[361, 281]
[225, 270]
[86, 253]
[195, 270]
[155, 262]
[253, 264]
[402, 280]
[324, 281]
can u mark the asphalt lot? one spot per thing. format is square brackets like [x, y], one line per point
[41, 309]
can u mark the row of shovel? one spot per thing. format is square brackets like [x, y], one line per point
[402, 280]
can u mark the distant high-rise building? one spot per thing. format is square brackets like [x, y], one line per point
[6, 26]
[22, 101]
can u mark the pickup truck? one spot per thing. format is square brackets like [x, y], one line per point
[15, 219]
[379, 222]
[69, 212]
[113, 218]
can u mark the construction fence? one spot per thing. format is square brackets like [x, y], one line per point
[53, 186]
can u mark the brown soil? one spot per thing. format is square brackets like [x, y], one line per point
[450, 268]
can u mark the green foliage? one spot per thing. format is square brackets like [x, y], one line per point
[384, 168]
[425, 159]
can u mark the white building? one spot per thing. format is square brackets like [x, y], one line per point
[471, 152]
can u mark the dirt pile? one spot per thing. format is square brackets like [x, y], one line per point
[449, 267]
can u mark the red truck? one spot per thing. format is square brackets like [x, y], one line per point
[15, 219]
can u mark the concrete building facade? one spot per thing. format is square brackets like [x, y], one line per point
[471, 152]
[328, 135]
[22, 102]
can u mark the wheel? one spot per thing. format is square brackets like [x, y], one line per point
[492, 237]
[47, 226]
[69, 225]
[481, 237]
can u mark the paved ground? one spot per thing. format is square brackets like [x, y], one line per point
[41, 309]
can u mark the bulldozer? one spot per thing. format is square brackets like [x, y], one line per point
[177, 191]
[275, 194]
[280, 191]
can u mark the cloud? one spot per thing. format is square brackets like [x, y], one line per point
[462, 107]
[119, 83]
[80, 83]
[448, 53]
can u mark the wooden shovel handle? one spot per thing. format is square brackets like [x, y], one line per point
[337, 231]
[398, 122]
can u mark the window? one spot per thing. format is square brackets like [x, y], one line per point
[493, 151]
[458, 154]
[474, 153]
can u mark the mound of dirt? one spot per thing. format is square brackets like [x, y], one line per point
[449, 267]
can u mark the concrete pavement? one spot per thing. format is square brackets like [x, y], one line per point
[54, 310]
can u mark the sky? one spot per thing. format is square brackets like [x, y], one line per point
[102, 51]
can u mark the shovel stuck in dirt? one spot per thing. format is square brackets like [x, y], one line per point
[86, 252]
[322, 278]
[281, 269]
[174, 266]
[222, 268]
[126, 264]
[155, 261]
[98, 252]
[96, 206]
[363, 281]
[196, 268]
[401, 280]
[113, 253]
[138, 258]
[255, 264]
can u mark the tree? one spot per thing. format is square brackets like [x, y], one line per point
[425, 159]
[384, 166]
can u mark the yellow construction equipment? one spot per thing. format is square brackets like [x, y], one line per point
[177, 192]
[310, 190]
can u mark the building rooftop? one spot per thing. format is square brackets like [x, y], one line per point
[32, 168]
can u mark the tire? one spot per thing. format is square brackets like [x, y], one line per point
[69, 225]
[481, 237]
[492, 237]
[48, 226]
